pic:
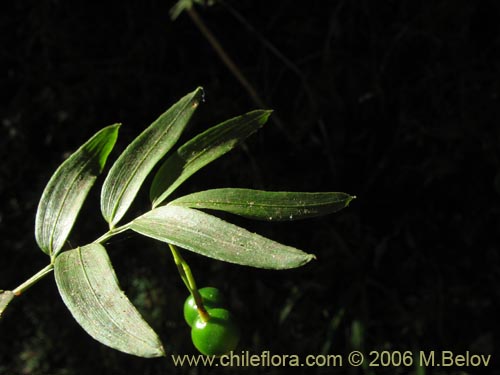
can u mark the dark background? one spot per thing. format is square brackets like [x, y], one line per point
[396, 102]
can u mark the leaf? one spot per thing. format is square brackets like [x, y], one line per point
[133, 166]
[5, 297]
[210, 236]
[89, 288]
[267, 205]
[67, 189]
[202, 150]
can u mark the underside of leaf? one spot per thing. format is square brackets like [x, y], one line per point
[89, 288]
[128, 173]
[215, 238]
[68, 188]
[202, 150]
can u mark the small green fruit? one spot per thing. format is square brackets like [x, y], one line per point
[211, 297]
[218, 336]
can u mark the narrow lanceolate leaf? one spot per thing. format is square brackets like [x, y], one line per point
[210, 236]
[89, 288]
[202, 150]
[267, 205]
[5, 297]
[67, 189]
[132, 167]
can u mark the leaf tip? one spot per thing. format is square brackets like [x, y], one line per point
[266, 113]
[310, 257]
[304, 259]
[116, 126]
[199, 93]
[197, 96]
[349, 200]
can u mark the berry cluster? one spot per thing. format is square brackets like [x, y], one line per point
[213, 329]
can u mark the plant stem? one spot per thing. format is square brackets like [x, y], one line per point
[188, 279]
[226, 59]
[33, 280]
[112, 233]
[233, 68]
[47, 269]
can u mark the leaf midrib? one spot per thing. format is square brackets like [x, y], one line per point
[129, 180]
[186, 172]
[60, 210]
[102, 306]
[223, 133]
[289, 249]
[221, 203]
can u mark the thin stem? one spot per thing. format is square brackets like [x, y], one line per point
[226, 59]
[188, 279]
[274, 50]
[233, 68]
[47, 269]
[112, 233]
[33, 280]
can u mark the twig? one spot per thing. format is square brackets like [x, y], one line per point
[275, 51]
[231, 65]
[226, 59]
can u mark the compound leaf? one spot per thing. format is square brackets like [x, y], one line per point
[215, 238]
[202, 150]
[89, 288]
[133, 166]
[67, 189]
[267, 205]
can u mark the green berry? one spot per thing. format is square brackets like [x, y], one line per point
[211, 297]
[217, 336]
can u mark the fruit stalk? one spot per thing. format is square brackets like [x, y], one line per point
[188, 279]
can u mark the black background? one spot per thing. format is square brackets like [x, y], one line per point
[396, 102]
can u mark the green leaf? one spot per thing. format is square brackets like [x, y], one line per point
[5, 297]
[202, 150]
[133, 166]
[89, 288]
[210, 236]
[267, 205]
[67, 189]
